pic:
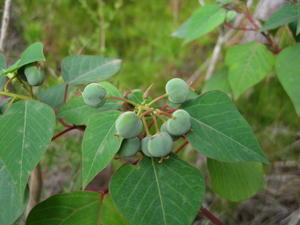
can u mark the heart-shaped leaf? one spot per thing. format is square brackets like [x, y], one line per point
[219, 131]
[76, 208]
[203, 21]
[288, 73]
[33, 53]
[285, 15]
[88, 68]
[248, 64]
[236, 181]
[168, 193]
[99, 144]
[26, 130]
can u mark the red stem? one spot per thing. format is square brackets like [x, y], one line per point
[239, 28]
[181, 147]
[211, 217]
[276, 48]
[67, 130]
[64, 123]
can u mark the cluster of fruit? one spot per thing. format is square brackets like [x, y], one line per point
[131, 124]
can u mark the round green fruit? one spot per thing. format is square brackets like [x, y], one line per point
[145, 142]
[230, 15]
[129, 125]
[94, 95]
[160, 145]
[177, 90]
[180, 124]
[163, 128]
[130, 147]
[34, 76]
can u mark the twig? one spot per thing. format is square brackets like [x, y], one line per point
[35, 188]
[4, 25]
[221, 40]
[211, 217]
[67, 130]
[181, 147]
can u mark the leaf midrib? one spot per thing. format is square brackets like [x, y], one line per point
[23, 144]
[159, 193]
[115, 61]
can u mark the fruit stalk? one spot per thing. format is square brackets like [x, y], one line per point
[14, 95]
[122, 99]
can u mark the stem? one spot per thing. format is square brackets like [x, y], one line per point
[155, 123]
[211, 217]
[157, 99]
[146, 126]
[35, 188]
[67, 130]
[122, 99]
[5, 22]
[239, 28]
[14, 95]
[182, 147]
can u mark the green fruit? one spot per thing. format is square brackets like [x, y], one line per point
[130, 147]
[34, 76]
[180, 124]
[145, 142]
[94, 95]
[230, 15]
[129, 125]
[177, 90]
[160, 145]
[163, 128]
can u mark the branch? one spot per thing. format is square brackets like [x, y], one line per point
[67, 130]
[221, 40]
[5, 22]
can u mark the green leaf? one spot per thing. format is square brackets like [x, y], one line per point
[203, 21]
[99, 144]
[77, 208]
[12, 206]
[26, 130]
[88, 68]
[298, 18]
[109, 213]
[218, 81]
[75, 111]
[33, 53]
[285, 15]
[111, 90]
[248, 64]
[288, 73]
[168, 193]
[236, 181]
[219, 131]
[53, 96]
